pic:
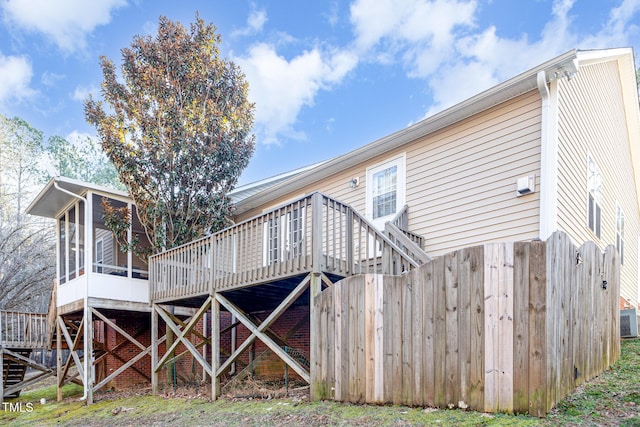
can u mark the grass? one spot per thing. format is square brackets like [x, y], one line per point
[611, 399]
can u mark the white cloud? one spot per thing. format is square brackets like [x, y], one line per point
[490, 59]
[439, 41]
[620, 29]
[280, 88]
[82, 92]
[51, 79]
[15, 77]
[333, 16]
[65, 22]
[409, 25]
[255, 22]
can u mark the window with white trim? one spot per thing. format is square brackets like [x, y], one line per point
[620, 233]
[594, 196]
[385, 190]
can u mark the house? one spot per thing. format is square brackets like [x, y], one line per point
[552, 149]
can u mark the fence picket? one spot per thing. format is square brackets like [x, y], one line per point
[477, 326]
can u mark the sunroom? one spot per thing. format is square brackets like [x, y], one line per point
[91, 263]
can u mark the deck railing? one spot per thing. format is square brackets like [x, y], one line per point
[401, 221]
[23, 330]
[313, 233]
[405, 242]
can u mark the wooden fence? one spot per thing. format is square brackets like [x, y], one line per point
[511, 327]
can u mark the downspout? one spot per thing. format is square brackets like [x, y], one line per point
[548, 160]
[85, 302]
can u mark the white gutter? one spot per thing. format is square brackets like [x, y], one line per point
[548, 163]
[87, 357]
[547, 81]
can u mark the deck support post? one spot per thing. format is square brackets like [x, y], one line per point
[58, 360]
[154, 349]
[314, 351]
[215, 347]
[89, 355]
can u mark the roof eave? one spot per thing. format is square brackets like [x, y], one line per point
[40, 206]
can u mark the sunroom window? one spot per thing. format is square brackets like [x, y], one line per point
[114, 261]
[111, 256]
[71, 243]
[139, 266]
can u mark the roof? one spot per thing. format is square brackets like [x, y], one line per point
[247, 190]
[564, 65]
[59, 193]
[55, 197]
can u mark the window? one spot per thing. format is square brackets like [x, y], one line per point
[620, 233]
[115, 258]
[72, 250]
[62, 249]
[594, 196]
[385, 194]
[99, 255]
[385, 190]
[80, 238]
[71, 243]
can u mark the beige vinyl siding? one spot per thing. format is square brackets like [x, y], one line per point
[592, 122]
[461, 180]
[107, 246]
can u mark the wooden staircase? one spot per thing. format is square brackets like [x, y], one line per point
[14, 370]
[20, 334]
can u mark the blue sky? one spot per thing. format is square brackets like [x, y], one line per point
[326, 76]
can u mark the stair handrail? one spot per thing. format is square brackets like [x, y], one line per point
[401, 219]
[377, 233]
[411, 247]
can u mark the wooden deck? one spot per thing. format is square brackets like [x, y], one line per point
[312, 234]
[20, 334]
[23, 330]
